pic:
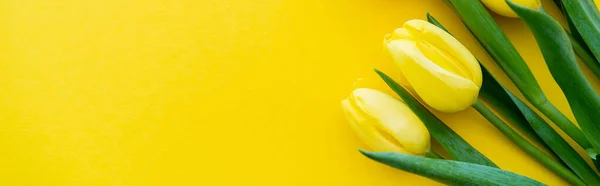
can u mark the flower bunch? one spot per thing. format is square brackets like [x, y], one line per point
[439, 73]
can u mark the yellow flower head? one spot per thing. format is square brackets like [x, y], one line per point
[501, 8]
[435, 66]
[384, 123]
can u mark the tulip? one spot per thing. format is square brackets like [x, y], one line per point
[435, 66]
[385, 124]
[500, 7]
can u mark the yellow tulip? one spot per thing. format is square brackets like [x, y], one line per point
[501, 8]
[435, 66]
[384, 123]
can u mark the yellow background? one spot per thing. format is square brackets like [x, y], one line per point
[213, 92]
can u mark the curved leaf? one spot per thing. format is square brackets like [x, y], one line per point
[560, 58]
[519, 112]
[564, 151]
[581, 49]
[526, 146]
[451, 172]
[585, 17]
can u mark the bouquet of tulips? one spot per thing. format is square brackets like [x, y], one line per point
[438, 72]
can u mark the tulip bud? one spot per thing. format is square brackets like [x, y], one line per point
[435, 66]
[384, 123]
[500, 7]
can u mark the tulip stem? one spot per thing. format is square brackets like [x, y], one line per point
[433, 155]
[528, 147]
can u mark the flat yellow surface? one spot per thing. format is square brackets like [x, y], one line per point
[213, 92]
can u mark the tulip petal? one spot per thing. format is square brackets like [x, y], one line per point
[443, 59]
[386, 40]
[363, 127]
[429, 33]
[401, 33]
[395, 119]
[440, 89]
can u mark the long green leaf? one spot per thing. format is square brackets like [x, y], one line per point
[584, 53]
[564, 151]
[504, 106]
[517, 111]
[456, 146]
[526, 146]
[579, 46]
[585, 17]
[585, 56]
[572, 28]
[451, 172]
[560, 59]
[489, 34]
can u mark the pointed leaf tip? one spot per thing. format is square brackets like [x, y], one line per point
[363, 151]
[377, 156]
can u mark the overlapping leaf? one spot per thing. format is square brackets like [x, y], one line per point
[451, 172]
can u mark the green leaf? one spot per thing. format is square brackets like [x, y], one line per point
[491, 91]
[585, 17]
[451, 172]
[585, 55]
[560, 59]
[456, 146]
[514, 108]
[574, 32]
[579, 46]
[526, 146]
[477, 19]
